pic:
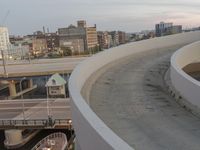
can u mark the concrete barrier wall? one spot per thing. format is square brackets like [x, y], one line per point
[91, 132]
[185, 85]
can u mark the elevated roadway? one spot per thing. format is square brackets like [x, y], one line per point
[131, 98]
[40, 67]
[35, 114]
[120, 98]
[34, 109]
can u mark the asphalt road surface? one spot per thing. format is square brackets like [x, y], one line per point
[35, 109]
[40, 67]
[132, 100]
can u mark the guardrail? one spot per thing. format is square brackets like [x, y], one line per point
[36, 123]
[185, 87]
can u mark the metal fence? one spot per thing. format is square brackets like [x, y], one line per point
[36, 123]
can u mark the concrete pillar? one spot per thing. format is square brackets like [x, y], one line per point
[13, 138]
[30, 83]
[12, 88]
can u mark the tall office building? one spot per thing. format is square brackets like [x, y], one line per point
[162, 27]
[4, 40]
[91, 35]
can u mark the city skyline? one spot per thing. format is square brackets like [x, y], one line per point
[129, 15]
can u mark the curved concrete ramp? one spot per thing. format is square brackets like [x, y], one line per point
[131, 98]
[91, 132]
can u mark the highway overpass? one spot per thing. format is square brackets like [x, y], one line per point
[33, 113]
[40, 67]
[16, 71]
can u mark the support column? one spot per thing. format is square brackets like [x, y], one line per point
[12, 89]
[30, 83]
[13, 139]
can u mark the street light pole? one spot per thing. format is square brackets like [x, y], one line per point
[48, 112]
[70, 127]
[20, 83]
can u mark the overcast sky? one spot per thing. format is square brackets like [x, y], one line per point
[27, 16]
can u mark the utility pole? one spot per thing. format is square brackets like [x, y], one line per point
[21, 90]
[47, 92]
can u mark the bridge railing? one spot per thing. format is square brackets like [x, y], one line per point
[22, 122]
[35, 123]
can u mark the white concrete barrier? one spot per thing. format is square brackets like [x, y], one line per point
[91, 132]
[184, 84]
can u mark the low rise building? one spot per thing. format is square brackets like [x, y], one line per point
[52, 40]
[39, 45]
[18, 51]
[79, 38]
[56, 86]
[110, 41]
[122, 37]
[174, 29]
[103, 39]
[73, 37]
[162, 29]
[115, 38]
